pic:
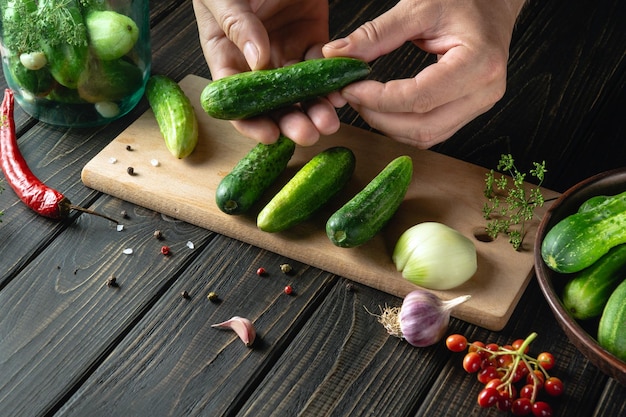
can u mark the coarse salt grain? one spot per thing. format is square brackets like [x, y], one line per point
[112, 160]
[128, 251]
[154, 162]
[120, 227]
[190, 245]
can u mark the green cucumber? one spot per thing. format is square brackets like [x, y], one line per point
[109, 80]
[586, 294]
[253, 174]
[309, 189]
[252, 93]
[367, 212]
[174, 114]
[580, 239]
[66, 61]
[111, 35]
[612, 327]
[592, 203]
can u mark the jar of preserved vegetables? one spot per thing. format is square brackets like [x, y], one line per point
[76, 62]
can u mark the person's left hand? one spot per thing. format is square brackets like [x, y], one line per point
[240, 35]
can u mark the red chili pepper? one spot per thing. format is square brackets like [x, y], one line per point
[44, 200]
[35, 194]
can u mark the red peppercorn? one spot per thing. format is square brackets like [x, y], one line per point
[288, 290]
[261, 272]
[165, 250]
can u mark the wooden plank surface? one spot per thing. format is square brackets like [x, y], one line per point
[564, 102]
[443, 189]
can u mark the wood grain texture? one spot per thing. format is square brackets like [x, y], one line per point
[175, 346]
[68, 319]
[68, 345]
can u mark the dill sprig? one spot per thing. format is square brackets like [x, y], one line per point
[510, 205]
[27, 25]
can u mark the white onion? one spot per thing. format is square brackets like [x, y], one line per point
[435, 256]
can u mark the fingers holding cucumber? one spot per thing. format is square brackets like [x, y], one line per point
[272, 93]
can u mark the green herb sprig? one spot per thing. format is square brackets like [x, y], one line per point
[510, 205]
[27, 26]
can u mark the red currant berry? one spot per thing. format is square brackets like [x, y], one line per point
[553, 386]
[509, 392]
[165, 250]
[487, 374]
[456, 342]
[518, 344]
[288, 290]
[488, 397]
[521, 407]
[527, 391]
[480, 348]
[546, 360]
[489, 362]
[536, 377]
[261, 272]
[471, 362]
[492, 347]
[504, 360]
[520, 372]
[541, 409]
[494, 383]
[504, 403]
[476, 346]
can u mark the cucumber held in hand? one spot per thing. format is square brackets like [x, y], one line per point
[174, 114]
[312, 186]
[365, 215]
[253, 174]
[252, 93]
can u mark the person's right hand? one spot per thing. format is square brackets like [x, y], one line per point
[240, 35]
[471, 39]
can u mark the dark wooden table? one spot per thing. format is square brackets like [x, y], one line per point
[71, 346]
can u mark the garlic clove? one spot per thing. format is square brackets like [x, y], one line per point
[241, 326]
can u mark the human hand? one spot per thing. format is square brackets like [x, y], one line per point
[471, 39]
[240, 35]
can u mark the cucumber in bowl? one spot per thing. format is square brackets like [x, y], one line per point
[581, 198]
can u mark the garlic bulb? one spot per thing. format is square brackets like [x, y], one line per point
[423, 318]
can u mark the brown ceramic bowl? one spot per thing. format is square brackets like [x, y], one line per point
[581, 334]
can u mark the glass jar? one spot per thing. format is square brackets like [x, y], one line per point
[76, 62]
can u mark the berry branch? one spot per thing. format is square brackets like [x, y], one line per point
[513, 380]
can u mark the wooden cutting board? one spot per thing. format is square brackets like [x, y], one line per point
[444, 189]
